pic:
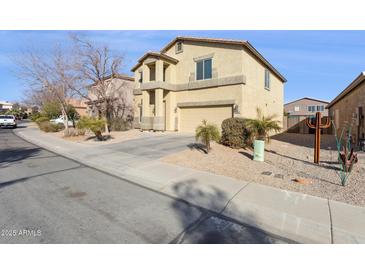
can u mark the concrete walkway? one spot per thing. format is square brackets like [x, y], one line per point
[295, 216]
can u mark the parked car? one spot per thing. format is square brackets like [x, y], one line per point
[8, 121]
[61, 120]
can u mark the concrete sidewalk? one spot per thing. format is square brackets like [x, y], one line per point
[295, 216]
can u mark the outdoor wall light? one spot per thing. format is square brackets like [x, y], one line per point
[236, 109]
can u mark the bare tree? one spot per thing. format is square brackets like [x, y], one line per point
[46, 78]
[95, 69]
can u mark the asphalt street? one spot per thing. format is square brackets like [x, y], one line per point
[46, 198]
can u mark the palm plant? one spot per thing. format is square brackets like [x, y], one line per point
[263, 125]
[206, 133]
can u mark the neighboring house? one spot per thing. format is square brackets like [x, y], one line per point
[119, 87]
[5, 106]
[348, 108]
[79, 105]
[192, 79]
[297, 111]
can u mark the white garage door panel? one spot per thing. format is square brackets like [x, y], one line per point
[191, 117]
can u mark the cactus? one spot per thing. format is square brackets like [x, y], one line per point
[317, 126]
[346, 160]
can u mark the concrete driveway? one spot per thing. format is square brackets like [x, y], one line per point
[154, 145]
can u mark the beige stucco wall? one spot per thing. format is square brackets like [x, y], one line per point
[226, 60]
[345, 112]
[256, 95]
[118, 88]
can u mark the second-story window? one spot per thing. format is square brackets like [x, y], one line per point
[267, 79]
[204, 69]
[312, 108]
[140, 76]
[320, 108]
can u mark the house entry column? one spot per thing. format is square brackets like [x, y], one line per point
[158, 120]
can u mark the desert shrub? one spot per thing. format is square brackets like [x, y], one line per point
[263, 125]
[41, 119]
[47, 126]
[120, 124]
[235, 133]
[206, 133]
[34, 116]
[96, 125]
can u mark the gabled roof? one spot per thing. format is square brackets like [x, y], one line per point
[358, 80]
[243, 43]
[307, 98]
[156, 55]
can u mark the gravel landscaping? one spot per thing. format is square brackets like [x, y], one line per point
[288, 165]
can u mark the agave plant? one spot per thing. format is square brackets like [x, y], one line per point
[263, 125]
[206, 133]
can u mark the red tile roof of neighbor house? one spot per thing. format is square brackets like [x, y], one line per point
[358, 80]
[243, 43]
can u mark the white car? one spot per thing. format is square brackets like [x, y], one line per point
[8, 121]
[61, 120]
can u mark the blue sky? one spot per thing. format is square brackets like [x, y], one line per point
[317, 64]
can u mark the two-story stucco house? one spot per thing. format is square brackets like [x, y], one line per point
[192, 79]
[118, 87]
[298, 110]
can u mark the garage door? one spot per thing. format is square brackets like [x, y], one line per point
[191, 117]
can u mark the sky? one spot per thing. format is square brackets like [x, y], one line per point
[317, 64]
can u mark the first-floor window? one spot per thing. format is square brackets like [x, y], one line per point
[204, 69]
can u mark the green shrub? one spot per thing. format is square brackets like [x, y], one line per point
[263, 125]
[119, 124]
[206, 133]
[235, 133]
[41, 119]
[96, 125]
[47, 126]
[34, 116]
[51, 109]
